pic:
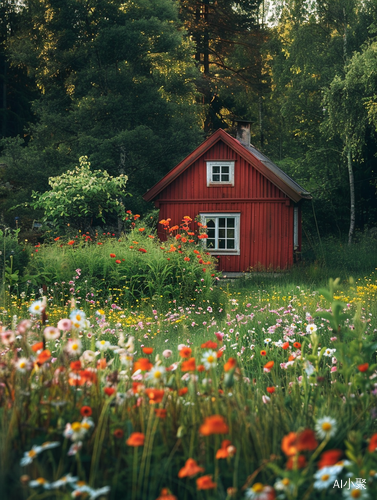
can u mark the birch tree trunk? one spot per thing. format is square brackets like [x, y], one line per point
[352, 195]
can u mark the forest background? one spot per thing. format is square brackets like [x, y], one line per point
[136, 85]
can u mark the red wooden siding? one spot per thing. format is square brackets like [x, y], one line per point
[266, 213]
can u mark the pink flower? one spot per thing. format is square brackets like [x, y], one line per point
[167, 353]
[7, 337]
[266, 399]
[23, 326]
[334, 369]
[65, 324]
[219, 336]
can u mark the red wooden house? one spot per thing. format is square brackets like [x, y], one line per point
[252, 209]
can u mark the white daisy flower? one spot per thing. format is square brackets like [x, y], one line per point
[103, 345]
[156, 374]
[22, 365]
[78, 318]
[75, 431]
[88, 356]
[63, 481]
[267, 341]
[355, 492]
[37, 307]
[209, 359]
[285, 485]
[30, 455]
[97, 493]
[73, 346]
[311, 328]
[259, 492]
[325, 477]
[326, 427]
[126, 360]
[51, 333]
[74, 448]
[40, 482]
[48, 445]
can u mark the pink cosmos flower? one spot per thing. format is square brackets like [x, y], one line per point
[167, 353]
[65, 324]
[219, 336]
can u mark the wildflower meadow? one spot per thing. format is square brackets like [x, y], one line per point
[134, 372]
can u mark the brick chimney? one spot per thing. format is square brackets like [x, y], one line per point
[243, 132]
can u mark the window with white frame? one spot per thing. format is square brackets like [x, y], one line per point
[220, 172]
[223, 232]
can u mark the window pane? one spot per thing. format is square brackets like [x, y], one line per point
[216, 170]
[225, 178]
[210, 243]
[216, 178]
[211, 233]
[230, 244]
[221, 233]
[221, 243]
[230, 233]
[210, 223]
[221, 222]
[225, 169]
[230, 222]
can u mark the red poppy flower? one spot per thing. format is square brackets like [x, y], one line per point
[296, 345]
[109, 391]
[118, 261]
[263, 353]
[118, 433]
[136, 439]
[142, 364]
[86, 411]
[230, 364]
[306, 440]
[142, 250]
[269, 365]
[270, 390]
[205, 483]
[112, 255]
[215, 424]
[147, 350]
[297, 462]
[71, 242]
[166, 495]
[75, 365]
[189, 365]
[160, 412]
[37, 347]
[187, 259]
[155, 395]
[183, 391]
[210, 344]
[185, 352]
[372, 443]
[285, 345]
[43, 357]
[190, 469]
[329, 458]
[363, 368]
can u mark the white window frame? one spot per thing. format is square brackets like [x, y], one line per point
[220, 163]
[218, 215]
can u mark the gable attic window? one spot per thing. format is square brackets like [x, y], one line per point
[223, 233]
[220, 172]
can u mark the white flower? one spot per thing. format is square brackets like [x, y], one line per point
[284, 485]
[75, 431]
[309, 368]
[22, 365]
[37, 307]
[73, 346]
[103, 345]
[78, 319]
[88, 356]
[51, 333]
[311, 328]
[30, 455]
[267, 341]
[326, 427]
[329, 352]
[156, 374]
[355, 492]
[259, 492]
[63, 481]
[97, 493]
[40, 482]
[65, 324]
[48, 445]
[325, 477]
[75, 447]
[209, 359]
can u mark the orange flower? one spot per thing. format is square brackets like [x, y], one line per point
[166, 495]
[230, 364]
[136, 439]
[201, 368]
[210, 344]
[288, 444]
[363, 368]
[226, 450]
[297, 462]
[86, 411]
[205, 483]
[101, 364]
[372, 443]
[214, 424]
[263, 353]
[185, 352]
[43, 357]
[88, 376]
[269, 365]
[296, 345]
[285, 345]
[190, 469]
[160, 412]
[183, 391]
[219, 353]
[142, 364]
[329, 458]
[75, 366]
[306, 440]
[271, 390]
[37, 347]
[189, 365]
[155, 395]
[71, 242]
[147, 350]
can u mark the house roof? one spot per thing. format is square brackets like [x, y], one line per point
[257, 159]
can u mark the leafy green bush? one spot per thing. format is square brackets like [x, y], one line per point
[13, 257]
[80, 196]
